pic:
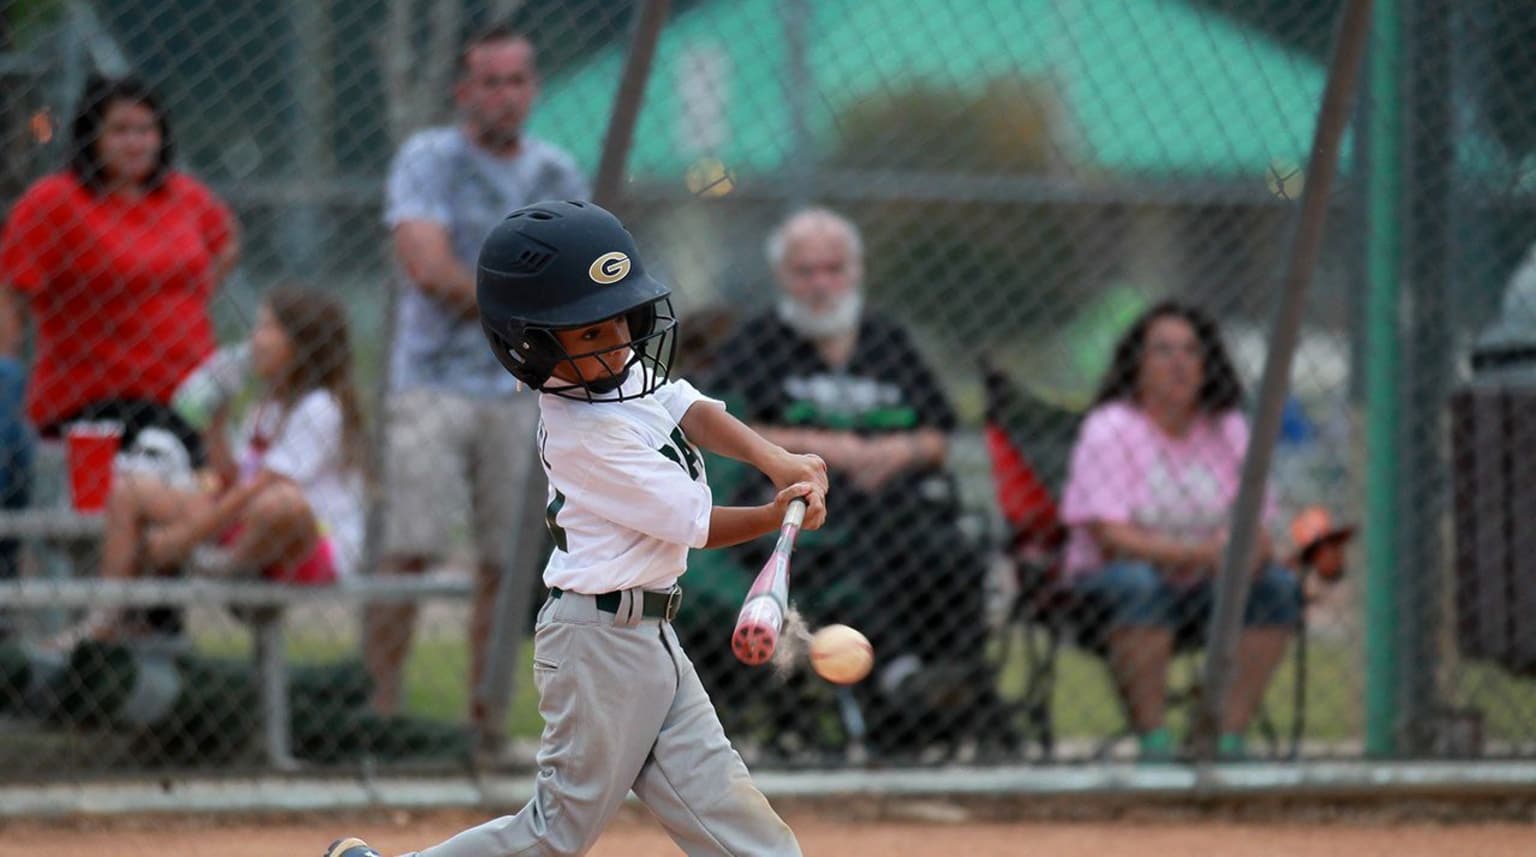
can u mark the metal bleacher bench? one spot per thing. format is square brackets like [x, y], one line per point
[263, 605]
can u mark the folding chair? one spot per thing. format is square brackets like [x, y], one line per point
[1046, 613]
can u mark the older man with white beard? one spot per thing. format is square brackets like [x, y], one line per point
[821, 373]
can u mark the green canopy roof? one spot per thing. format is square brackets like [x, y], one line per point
[1147, 86]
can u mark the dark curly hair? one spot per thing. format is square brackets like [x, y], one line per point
[1220, 389]
[99, 96]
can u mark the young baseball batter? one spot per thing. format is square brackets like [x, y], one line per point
[569, 311]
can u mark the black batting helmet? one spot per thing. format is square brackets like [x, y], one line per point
[555, 265]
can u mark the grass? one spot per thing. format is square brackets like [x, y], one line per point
[435, 678]
[1084, 704]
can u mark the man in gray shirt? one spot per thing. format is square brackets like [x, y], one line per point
[455, 417]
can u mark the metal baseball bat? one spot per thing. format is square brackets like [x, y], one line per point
[762, 611]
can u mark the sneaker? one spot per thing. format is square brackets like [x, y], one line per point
[97, 625]
[213, 562]
[1155, 746]
[350, 847]
[1231, 747]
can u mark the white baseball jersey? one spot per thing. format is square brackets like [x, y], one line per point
[627, 496]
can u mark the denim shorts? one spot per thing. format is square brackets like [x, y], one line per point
[1134, 593]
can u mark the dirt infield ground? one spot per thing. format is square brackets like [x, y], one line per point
[636, 836]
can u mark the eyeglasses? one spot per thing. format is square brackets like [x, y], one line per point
[1166, 350]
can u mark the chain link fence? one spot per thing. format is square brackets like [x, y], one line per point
[1008, 188]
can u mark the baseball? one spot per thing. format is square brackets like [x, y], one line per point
[841, 654]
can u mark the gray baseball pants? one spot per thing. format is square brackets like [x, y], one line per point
[623, 709]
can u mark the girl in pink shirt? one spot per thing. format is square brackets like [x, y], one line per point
[1153, 478]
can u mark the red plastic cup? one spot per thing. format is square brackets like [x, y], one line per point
[91, 449]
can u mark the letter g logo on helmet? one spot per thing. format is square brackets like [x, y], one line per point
[609, 268]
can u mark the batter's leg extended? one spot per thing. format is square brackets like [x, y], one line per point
[697, 785]
[604, 692]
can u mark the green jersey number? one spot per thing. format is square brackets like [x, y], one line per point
[551, 512]
[682, 453]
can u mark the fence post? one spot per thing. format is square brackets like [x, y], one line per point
[1383, 267]
[1432, 208]
[1306, 244]
[649, 19]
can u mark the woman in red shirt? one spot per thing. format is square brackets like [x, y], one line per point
[117, 257]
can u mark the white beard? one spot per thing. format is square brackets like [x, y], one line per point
[842, 317]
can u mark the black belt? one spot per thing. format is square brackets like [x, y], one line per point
[654, 605]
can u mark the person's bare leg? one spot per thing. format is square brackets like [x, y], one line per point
[277, 527]
[137, 505]
[1259, 652]
[123, 530]
[1138, 657]
[388, 628]
[482, 613]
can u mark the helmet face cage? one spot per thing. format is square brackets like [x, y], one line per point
[559, 266]
[652, 345]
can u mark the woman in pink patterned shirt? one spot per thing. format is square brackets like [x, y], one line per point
[1153, 478]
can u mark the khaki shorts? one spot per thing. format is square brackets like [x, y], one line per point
[446, 452]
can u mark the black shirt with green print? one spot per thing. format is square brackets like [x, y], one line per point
[770, 375]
